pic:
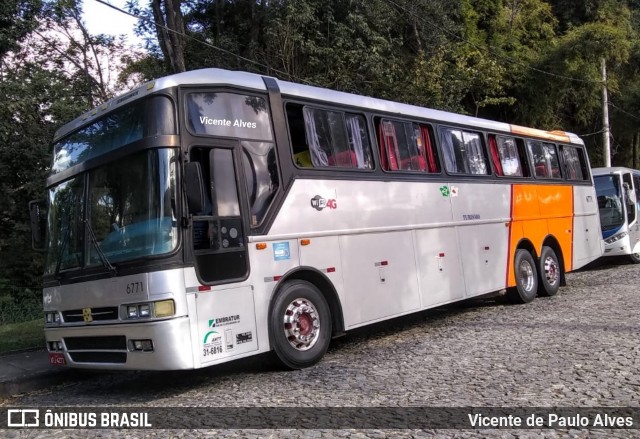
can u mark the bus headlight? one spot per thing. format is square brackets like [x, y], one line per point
[162, 308]
[615, 238]
[52, 318]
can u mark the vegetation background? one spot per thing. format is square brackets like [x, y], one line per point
[528, 62]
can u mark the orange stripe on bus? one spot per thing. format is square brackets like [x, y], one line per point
[558, 136]
[539, 211]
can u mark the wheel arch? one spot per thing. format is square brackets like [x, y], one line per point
[527, 245]
[322, 282]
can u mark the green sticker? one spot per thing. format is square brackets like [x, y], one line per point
[444, 190]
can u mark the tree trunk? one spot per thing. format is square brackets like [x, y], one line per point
[170, 32]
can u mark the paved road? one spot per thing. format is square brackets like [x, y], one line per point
[578, 349]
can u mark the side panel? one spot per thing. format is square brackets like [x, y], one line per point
[587, 241]
[226, 324]
[539, 212]
[323, 254]
[379, 276]
[439, 270]
[484, 236]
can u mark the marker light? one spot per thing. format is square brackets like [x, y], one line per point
[165, 308]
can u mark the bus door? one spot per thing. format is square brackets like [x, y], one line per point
[632, 198]
[225, 313]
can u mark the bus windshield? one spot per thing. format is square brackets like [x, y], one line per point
[609, 202]
[128, 205]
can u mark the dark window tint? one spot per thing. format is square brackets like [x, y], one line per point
[575, 166]
[228, 115]
[324, 138]
[463, 152]
[406, 146]
[217, 232]
[506, 156]
[146, 118]
[336, 139]
[544, 158]
[261, 175]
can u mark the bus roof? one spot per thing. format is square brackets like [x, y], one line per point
[612, 170]
[254, 81]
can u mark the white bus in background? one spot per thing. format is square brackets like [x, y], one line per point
[618, 192]
[213, 215]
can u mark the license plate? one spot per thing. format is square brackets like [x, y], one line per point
[57, 359]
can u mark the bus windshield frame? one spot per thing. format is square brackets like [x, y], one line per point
[113, 191]
[610, 202]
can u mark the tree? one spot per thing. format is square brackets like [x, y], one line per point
[170, 30]
[56, 72]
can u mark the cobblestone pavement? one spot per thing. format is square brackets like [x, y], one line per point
[578, 349]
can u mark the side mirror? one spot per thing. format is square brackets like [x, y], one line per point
[38, 217]
[194, 184]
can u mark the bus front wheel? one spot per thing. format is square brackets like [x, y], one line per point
[300, 324]
[550, 272]
[526, 278]
[635, 258]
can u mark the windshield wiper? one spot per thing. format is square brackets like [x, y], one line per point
[103, 257]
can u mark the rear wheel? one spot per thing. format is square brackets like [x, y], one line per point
[526, 278]
[550, 272]
[300, 324]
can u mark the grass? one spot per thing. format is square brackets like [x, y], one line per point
[24, 335]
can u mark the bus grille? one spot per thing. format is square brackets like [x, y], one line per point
[99, 314]
[106, 349]
[98, 357]
[108, 343]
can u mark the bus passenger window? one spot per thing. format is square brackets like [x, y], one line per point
[505, 156]
[406, 146]
[573, 163]
[545, 159]
[323, 138]
[463, 152]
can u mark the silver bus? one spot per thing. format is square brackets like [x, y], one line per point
[213, 215]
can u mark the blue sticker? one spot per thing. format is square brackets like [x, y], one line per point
[281, 251]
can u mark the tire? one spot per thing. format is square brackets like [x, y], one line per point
[526, 278]
[635, 258]
[299, 324]
[550, 273]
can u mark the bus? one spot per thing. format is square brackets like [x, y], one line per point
[618, 191]
[213, 215]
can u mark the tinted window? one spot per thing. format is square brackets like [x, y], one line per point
[150, 117]
[228, 115]
[463, 152]
[325, 138]
[406, 146]
[545, 159]
[261, 175]
[505, 155]
[574, 163]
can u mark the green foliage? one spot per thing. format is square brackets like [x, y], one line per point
[23, 335]
[17, 19]
[531, 62]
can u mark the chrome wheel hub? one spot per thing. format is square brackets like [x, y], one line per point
[551, 270]
[525, 271]
[301, 324]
